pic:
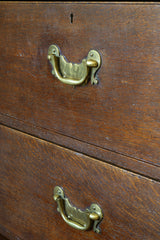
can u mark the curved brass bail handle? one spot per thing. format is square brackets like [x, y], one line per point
[67, 220]
[74, 74]
[81, 220]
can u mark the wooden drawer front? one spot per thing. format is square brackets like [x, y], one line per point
[31, 168]
[119, 114]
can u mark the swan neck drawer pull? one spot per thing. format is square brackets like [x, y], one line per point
[72, 73]
[76, 218]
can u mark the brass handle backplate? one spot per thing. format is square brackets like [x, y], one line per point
[72, 73]
[76, 218]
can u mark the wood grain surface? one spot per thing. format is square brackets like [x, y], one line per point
[125, 162]
[31, 168]
[121, 114]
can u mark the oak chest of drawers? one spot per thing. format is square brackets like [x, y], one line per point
[99, 143]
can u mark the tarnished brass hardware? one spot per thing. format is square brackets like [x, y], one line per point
[76, 218]
[72, 73]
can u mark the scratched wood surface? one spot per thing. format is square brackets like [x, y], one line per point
[121, 114]
[31, 168]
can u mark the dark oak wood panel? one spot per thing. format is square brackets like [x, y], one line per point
[121, 113]
[119, 160]
[2, 237]
[30, 168]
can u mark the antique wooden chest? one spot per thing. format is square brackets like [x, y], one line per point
[80, 120]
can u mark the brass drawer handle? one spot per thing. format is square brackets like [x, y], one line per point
[74, 74]
[76, 218]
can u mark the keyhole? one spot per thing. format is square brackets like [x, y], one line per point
[71, 16]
